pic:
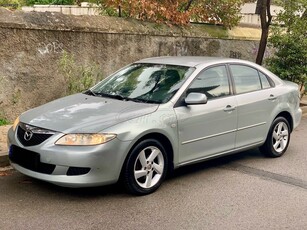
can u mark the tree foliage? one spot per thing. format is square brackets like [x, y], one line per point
[224, 12]
[178, 12]
[289, 38]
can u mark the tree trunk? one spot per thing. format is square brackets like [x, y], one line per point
[258, 7]
[262, 45]
[119, 11]
[264, 10]
[188, 5]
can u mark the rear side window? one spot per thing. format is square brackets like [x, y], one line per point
[246, 79]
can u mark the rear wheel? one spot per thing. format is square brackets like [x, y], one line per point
[146, 167]
[278, 138]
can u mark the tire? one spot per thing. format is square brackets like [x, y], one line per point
[145, 168]
[278, 138]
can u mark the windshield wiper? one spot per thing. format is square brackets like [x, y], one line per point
[142, 100]
[90, 92]
[116, 96]
[119, 97]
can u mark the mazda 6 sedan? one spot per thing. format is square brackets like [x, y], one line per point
[154, 116]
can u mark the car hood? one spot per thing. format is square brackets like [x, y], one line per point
[82, 113]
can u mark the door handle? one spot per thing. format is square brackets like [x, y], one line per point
[229, 108]
[272, 97]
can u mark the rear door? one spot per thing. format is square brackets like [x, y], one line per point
[256, 100]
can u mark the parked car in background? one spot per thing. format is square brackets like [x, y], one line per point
[153, 116]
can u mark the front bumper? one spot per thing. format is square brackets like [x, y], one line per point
[103, 161]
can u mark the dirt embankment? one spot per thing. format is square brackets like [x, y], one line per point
[3, 133]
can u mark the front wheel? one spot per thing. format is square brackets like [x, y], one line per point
[278, 138]
[145, 168]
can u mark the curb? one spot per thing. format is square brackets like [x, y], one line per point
[4, 159]
[304, 111]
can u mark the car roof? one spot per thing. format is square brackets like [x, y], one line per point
[190, 61]
[203, 61]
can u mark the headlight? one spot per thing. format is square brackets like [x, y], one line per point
[85, 139]
[16, 122]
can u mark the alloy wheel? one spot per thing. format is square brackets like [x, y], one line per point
[280, 136]
[149, 167]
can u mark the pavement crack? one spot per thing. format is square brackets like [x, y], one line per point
[266, 175]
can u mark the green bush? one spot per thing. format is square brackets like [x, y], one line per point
[290, 59]
[290, 42]
[3, 122]
[12, 4]
[78, 78]
[49, 2]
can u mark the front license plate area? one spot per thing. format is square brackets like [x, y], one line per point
[29, 160]
[24, 158]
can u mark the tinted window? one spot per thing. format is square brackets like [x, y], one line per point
[246, 79]
[213, 82]
[264, 81]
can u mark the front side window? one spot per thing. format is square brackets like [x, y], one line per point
[212, 82]
[142, 82]
[246, 79]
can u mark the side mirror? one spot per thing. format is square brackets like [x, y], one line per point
[196, 98]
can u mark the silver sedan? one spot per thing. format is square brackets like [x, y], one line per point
[154, 116]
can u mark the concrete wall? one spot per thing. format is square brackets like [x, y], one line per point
[64, 9]
[33, 43]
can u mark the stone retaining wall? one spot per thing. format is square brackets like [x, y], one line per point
[33, 43]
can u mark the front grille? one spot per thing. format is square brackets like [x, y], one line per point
[76, 171]
[37, 137]
[29, 160]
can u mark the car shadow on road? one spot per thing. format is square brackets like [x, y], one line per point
[216, 163]
[117, 190]
[88, 192]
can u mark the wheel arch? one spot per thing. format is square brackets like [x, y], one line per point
[288, 117]
[276, 149]
[164, 140]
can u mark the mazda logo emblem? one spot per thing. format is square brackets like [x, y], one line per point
[28, 135]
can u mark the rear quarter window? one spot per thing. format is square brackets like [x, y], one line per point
[264, 81]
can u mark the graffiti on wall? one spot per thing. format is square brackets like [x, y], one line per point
[51, 47]
[176, 49]
[235, 54]
[180, 49]
[269, 51]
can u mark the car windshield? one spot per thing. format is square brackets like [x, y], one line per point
[150, 83]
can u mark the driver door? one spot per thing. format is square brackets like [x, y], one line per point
[207, 129]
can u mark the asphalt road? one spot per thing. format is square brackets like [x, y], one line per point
[243, 191]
